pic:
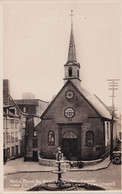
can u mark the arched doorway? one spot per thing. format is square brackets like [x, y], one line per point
[69, 144]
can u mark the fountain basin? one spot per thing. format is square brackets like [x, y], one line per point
[66, 186]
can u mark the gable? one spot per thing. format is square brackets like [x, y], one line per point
[83, 99]
[81, 106]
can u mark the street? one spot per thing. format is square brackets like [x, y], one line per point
[109, 178]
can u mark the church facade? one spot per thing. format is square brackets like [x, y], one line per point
[75, 120]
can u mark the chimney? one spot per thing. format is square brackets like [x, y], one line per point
[6, 91]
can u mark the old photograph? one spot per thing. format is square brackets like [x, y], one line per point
[61, 81]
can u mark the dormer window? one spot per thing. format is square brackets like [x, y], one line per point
[70, 71]
[12, 110]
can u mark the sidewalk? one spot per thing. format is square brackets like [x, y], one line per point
[19, 166]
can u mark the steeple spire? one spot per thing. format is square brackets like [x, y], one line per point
[72, 51]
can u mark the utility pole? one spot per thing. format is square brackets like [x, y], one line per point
[113, 85]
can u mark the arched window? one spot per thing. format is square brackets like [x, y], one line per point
[51, 138]
[89, 139]
[69, 135]
[70, 71]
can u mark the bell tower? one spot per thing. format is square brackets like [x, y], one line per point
[72, 67]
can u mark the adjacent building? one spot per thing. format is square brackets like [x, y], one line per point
[13, 125]
[19, 119]
[33, 108]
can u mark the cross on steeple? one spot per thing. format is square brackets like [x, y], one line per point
[71, 17]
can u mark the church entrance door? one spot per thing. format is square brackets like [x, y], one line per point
[69, 144]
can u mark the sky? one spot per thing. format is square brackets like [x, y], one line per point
[35, 46]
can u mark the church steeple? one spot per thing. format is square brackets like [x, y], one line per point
[72, 67]
[72, 51]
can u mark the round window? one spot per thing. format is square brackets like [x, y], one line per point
[69, 112]
[69, 94]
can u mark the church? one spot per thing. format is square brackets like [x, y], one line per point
[75, 120]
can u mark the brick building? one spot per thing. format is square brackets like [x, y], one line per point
[75, 120]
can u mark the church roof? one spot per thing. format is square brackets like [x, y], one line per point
[96, 103]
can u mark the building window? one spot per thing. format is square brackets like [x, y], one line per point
[12, 137]
[4, 139]
[16, 124]
[35, 133]
[4, 123]
[5, 109]
[12, 151]
[35, 143]
[8, 123]
[77, 73]
[89, 139]
[70, 71]
[8, 152]
[12, 123]
[108, 131]
[69, 94]
[69, 135]
[24, 122]
[16, 136]
[8, 137]
[25, 109]
[51, 138]
[69, 112]
[16, 150]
